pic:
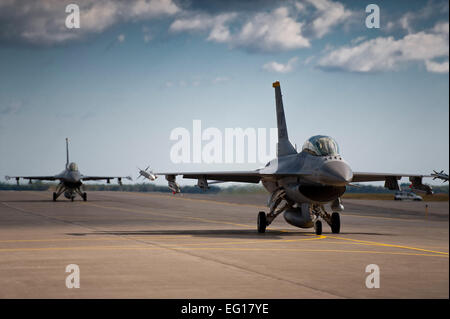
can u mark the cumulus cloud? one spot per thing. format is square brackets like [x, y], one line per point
[436, 67]
[409, 20]
[217, 25]
[280, 67]
[328, 15]
[387, 53]
[272, 32]
[279, 29]
[263, 31]
[43, 22]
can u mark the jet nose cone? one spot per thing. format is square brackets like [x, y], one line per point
[74, 177]
[336, 173]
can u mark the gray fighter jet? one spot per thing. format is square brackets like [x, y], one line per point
[70, 180]
[301, 183]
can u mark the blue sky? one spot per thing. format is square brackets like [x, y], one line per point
[131, 74]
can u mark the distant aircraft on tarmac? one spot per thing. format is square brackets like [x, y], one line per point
[301, 183]
[70, 180]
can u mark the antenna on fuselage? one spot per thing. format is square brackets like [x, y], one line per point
[67, 152]
[284, 147]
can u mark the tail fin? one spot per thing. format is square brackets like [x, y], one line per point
[284, 147]
[67, 152]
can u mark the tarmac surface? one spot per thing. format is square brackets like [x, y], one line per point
[155, 245]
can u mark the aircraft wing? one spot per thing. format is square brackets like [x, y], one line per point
[391, 180]
[374, 177]
[41, 178]
[107, 178]
[240, 176]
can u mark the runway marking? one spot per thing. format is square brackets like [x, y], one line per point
[145, 247]
[369, 243]
[356, 243]
[240, 225]
[372, 243]
[243, 225]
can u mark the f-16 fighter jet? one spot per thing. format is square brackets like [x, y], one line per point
[70, 180]
[301, 183]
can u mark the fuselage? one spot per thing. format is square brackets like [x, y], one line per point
[318, 179]
[70, 177]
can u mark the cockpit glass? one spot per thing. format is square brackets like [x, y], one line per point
[321, 145]
[73, 167]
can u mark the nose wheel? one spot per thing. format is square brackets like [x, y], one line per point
[84, 196]
[262, 222]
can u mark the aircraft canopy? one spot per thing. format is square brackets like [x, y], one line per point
[321, 145]
[73, 167]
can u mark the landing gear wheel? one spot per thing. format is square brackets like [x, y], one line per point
[335, 223]
[54, 197]
[84, 196]
[71, 199]
[262, 222]
[318, 227]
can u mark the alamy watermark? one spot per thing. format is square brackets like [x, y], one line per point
[373, 279]
[73, 18]
[73, 279]
[373, 19]
[235, 145]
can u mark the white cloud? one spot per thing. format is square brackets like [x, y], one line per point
[43, 22]
[279, 67]
[329, 14]
[410, 19]
[386, 53]
[271, 31]
[217, 25]
[436, 67]
[274, 31]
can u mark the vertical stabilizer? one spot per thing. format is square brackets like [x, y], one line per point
[67, 152]
[284, 147]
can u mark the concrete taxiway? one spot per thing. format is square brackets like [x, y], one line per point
[154, 245]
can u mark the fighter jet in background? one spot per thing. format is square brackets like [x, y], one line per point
[301, 183]
[70, 180]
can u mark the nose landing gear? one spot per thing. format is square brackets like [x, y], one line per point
[333, 220]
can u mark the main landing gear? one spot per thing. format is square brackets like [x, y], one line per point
[262, 222]
[82, 195]
[277, 204]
